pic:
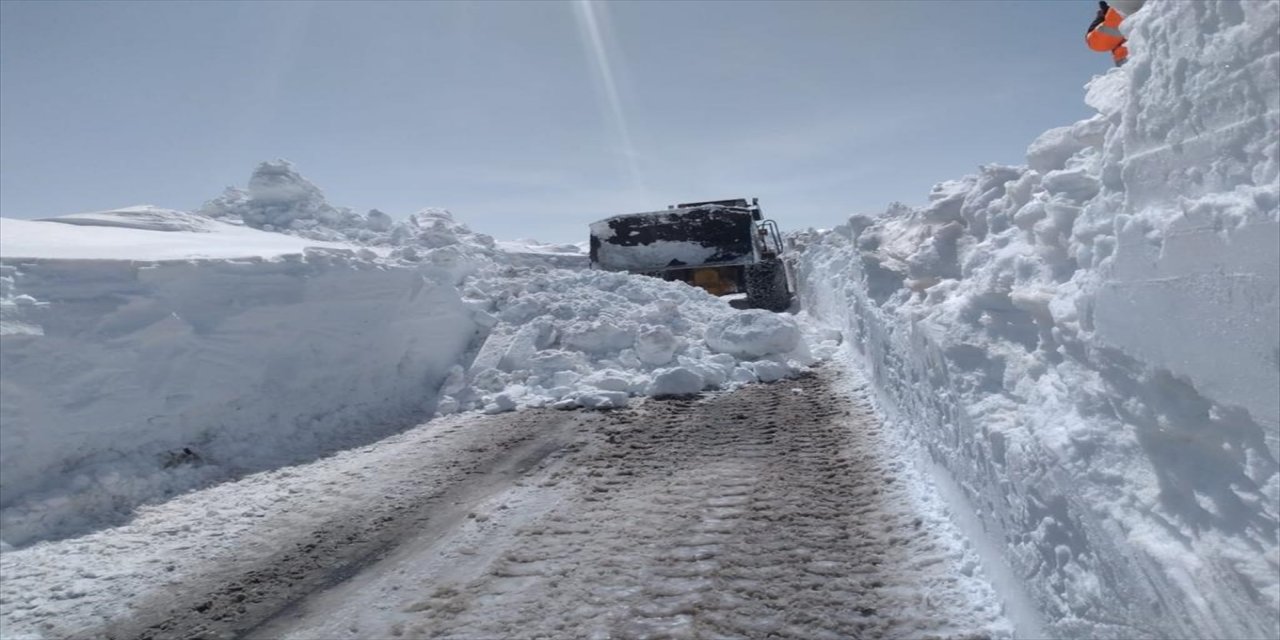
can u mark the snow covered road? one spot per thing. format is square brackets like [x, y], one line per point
[215, 562]
[774, 510]
[771, 510]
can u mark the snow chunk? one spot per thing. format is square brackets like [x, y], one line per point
[1108, 93]
[1076, 185]
[603, 400]
[676, 381]
[656, 345]
[502, 403]
[753, 334]
[1052, 149]
[768, 370]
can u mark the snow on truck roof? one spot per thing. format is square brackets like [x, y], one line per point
[674, 211]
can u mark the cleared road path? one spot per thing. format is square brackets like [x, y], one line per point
[759, 513]
[771, 511]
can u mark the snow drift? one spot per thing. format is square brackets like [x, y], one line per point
[1089, 345]
[147, 351]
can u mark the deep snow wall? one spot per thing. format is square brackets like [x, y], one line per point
[112, 368]
[1090, 345]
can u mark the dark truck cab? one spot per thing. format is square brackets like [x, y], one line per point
[723, 246]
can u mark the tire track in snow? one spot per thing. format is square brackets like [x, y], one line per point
[490, 452]
[757, 513]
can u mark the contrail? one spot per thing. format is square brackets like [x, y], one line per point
[594, 43]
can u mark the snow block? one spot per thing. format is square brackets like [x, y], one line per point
[677, 381]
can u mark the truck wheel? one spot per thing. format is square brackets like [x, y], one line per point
[767, 286]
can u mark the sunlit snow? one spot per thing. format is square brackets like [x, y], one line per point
[1079, 357]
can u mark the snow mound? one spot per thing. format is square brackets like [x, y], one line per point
[278, 198]
[1088, 344]
[676, 381]
[594, 339]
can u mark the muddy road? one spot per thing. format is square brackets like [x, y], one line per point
[765, 512]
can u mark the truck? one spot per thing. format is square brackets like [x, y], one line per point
[725, 247]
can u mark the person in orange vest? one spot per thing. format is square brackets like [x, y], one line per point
[1104, 34]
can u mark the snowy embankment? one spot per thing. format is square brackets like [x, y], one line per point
[113, 367]
[1089, 346]
[148, 351]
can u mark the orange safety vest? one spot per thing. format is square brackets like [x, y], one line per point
[1107, 37]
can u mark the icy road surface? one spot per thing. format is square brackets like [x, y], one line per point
[769, 511]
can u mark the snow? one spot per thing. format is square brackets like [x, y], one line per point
[753, 334]
[67, 588]
[654, 256]
[1087, 346]
[148, 217]
[705, 545]
[1078, 359]
[592, 338]
[113, 367]
[525, 245]
[552, 509]
[148, 351]
[532, 252]
[104, 236]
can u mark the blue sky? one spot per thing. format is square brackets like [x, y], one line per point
[530, 119]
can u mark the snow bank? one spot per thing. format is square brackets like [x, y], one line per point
[1090, 345]
[125, 381]
[147, 351]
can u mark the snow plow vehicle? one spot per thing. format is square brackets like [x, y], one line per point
[723, 246]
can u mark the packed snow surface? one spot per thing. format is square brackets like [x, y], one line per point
[782, 509]
[1089, 345]
[688, 519]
